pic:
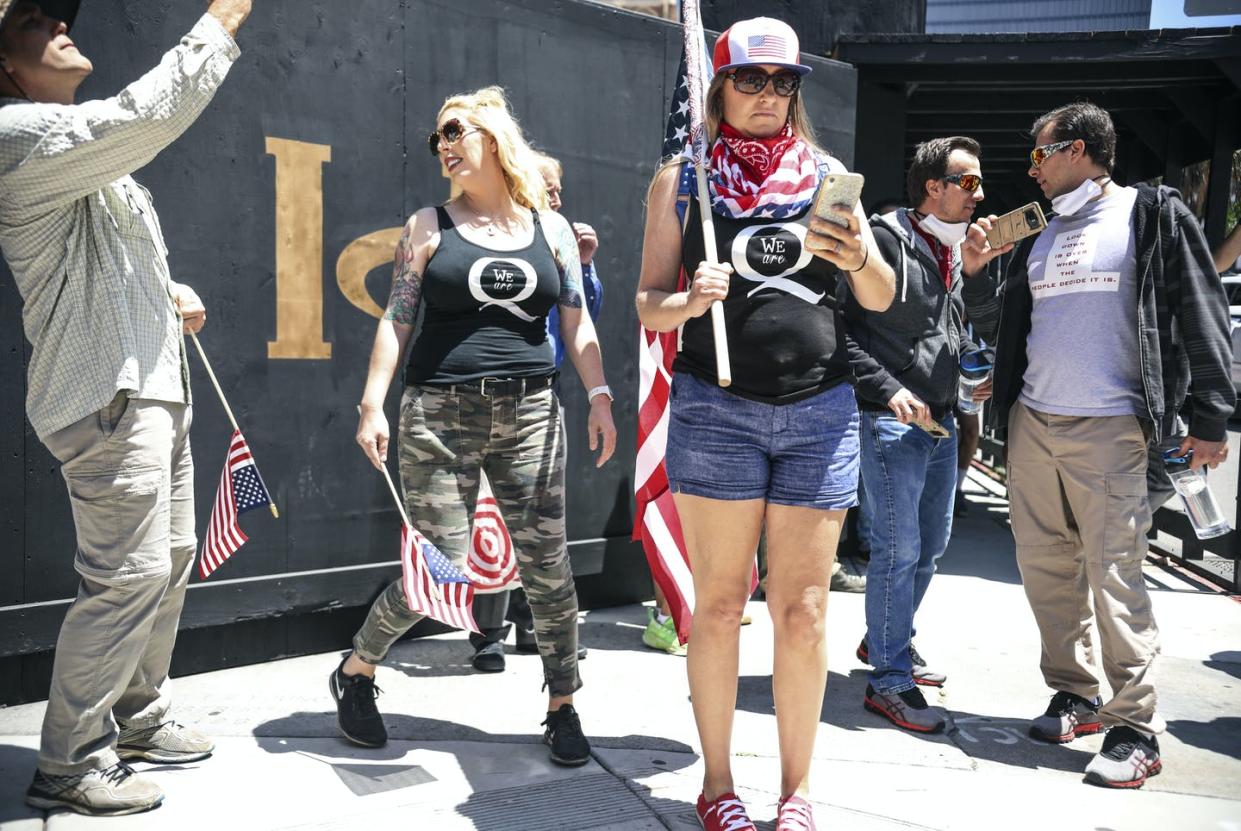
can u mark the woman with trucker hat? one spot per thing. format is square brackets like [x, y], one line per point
[780, 445]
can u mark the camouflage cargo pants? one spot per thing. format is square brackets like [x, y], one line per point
[444, 438]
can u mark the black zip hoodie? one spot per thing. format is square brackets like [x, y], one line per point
[1183, 322]
[916, 342]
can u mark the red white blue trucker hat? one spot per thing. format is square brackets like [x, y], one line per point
[759, 40]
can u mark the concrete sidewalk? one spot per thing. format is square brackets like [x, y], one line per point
[465, 749]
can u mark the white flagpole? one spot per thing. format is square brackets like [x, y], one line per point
[695, 80]
[229, 411]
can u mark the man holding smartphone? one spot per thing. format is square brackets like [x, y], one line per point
[906, 363]
[108, 385]
[1108, 316]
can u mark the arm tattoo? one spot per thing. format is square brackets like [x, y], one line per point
[406, 284]
[569, 262]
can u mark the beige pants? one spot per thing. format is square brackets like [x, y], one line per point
[1080, 513]
[131, 486]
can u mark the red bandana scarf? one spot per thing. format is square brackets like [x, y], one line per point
[771, 177]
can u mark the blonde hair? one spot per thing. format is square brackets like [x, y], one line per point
[488, 110]
[551, 163]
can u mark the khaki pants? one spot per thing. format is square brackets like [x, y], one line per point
[131, 486]
[1080, 513]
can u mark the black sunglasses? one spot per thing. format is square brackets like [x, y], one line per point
[451, 133]
[751, 81]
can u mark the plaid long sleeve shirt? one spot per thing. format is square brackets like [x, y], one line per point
[83, 241]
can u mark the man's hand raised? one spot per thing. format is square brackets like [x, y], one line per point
[230, 13]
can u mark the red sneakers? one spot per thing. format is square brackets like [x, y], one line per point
[724, 813]
[794, 814]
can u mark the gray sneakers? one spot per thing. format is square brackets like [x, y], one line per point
[1126, 760]
[848, 576]
[1068, 716]
[907, 709]
[169, 743]
[101, 793]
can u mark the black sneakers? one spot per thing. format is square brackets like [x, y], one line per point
[564, 736]
[1126, 760]
[356, 713]
[489, 657]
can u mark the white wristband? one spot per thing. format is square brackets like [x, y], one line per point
[603, 389]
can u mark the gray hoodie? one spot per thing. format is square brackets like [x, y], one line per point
[916, 343]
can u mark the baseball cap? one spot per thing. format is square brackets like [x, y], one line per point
[759, 40]
[65, 10]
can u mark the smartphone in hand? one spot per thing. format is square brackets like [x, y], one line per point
[1016, 225]
[837, 189]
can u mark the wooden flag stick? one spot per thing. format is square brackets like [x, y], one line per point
[229, 411]
[400, 506]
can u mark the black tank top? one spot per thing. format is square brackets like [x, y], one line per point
[485, 310]
[785, 335]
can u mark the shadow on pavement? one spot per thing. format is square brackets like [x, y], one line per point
[1229, 662]
[587, 797]
[1221, 735]
[996, 739]
[430, 658]
[280, 735]
[16, 767]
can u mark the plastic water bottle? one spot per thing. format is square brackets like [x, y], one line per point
[975, 369]
[1204, 513]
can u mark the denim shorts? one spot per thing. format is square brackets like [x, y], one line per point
[722, 446]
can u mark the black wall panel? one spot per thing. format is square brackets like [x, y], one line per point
[365, 79]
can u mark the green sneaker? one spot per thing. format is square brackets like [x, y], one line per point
[662, 636]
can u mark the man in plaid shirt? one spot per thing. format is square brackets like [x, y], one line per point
[108, 386]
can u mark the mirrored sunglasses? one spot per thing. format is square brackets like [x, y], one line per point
[968, 182]
[1039, 154]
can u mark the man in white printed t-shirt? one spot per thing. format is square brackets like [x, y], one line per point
[1107, 316]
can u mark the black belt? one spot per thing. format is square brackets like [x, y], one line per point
[499, 386]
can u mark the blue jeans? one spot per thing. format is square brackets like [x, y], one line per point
[910, 480]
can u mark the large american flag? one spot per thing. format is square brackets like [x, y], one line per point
[241, 489]
[490, 563]
[433, 585]
[656, 524]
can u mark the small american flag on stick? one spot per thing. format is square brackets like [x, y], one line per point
[433, 585]
[241, 489]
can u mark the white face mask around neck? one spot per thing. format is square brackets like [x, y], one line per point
[948, 233]
[1067, 204]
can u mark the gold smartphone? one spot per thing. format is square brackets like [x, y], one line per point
[934, 428]
[837, 189]
[1016, 225]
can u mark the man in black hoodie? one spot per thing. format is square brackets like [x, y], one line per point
[1100, 325]
[906, 363]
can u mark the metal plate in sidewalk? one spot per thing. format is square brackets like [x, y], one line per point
[365, 780]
